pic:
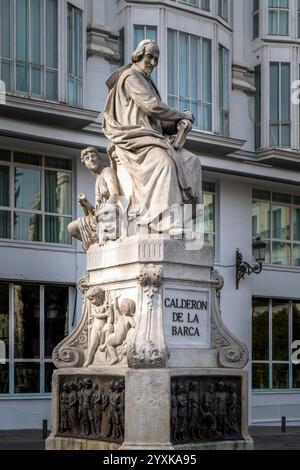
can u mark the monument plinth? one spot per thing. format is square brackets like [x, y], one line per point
[168, 376]
[151, 363]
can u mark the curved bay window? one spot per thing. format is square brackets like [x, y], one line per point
[29, 47]
[33, 320]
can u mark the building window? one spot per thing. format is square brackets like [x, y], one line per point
[224, 74]
[190, 76]
[29, 47]
[209, 197]
[280, 105]
[145, 32]
[298, 18]
[275, 325]
[35, 198]
[33, 320]
[258, 106]
[75, 57]
[255, 13]
[203, 4]
[223, 9]
[279, 17]
[276, 218]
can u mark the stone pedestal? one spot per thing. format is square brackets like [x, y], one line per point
[162, 371]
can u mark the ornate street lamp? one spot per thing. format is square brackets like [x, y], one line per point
[243, 268]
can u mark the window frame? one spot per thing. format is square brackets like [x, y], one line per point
[177, 97]
[62, 66]
[291, 243]
[43, 168]
[42, 361]
[256, 19]
[280, 123]
[270, 362]
[279, 10]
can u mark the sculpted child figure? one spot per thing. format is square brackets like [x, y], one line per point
[106, 197]
[123, 323]
[99, 320]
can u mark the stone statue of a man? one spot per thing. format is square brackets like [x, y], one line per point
[139, 126]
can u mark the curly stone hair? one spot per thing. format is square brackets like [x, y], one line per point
[139, 52]
[87, 150]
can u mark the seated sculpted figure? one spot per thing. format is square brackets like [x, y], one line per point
[139, 126]
[106, 195]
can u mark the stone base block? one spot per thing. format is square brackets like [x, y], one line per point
[158, 409]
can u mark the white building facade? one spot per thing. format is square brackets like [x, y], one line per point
[233, 63]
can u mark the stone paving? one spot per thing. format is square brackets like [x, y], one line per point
[265, 438]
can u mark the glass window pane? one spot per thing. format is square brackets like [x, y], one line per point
[58, 163]
[56, 317]
[261, 194]
[279, 197]
[6, 28]
[5, 224]
[260, 376]
[27, 227]
[172, 62]
[79, 94]
[296, 376]
[273, 22]
[49, 369]
[274, 92]
[27, 189]
[184, 65]
[71, 91]
[51, 85]
[27, 159]
[56, 230]
[22, 78]
[36, 81]
[285, 92]
[206, 70]
[78, 43]
[280, 376]
[4, 186]
[280, 331]
[51, 34]
[261, 219]
[260, 330]
[58, 196]
[209, 213]
[296, 256]
[296, 322]
[22, 31]
[36, 7]
[4, 318]
[281, 253]
[27, 377]
[281, 222]
[5, 155]
[284, 23]
[26, 321]
[139, 34]
[4, 379]
[297, 224]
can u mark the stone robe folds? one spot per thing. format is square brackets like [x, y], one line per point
[135, 120]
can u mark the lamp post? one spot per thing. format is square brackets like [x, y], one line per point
[243, 268]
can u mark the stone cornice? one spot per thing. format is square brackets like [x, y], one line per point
[243, 79]
[101, 41]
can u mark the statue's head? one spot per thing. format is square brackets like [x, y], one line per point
[91, 159]
[146, 56]
[96, 295]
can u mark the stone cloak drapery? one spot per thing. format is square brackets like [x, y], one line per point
[134, 122]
